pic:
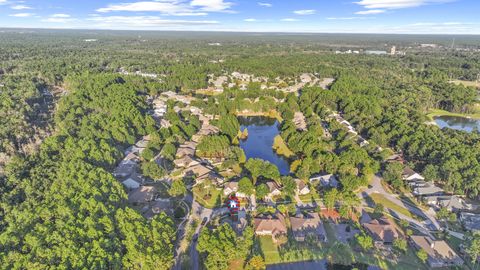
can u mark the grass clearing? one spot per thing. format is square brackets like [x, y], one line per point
[214, 200]
[475, 84]
[270, 250]
[281, 148]
[436, 112]
[380, 199]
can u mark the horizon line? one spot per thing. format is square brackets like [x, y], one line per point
[238, 31]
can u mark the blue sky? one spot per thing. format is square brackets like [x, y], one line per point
[325, 16]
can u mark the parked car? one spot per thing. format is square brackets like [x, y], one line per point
[204, 221]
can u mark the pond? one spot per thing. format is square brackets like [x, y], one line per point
[458, 123]
[261, 132]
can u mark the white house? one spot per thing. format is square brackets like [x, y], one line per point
[327, 180]
[410, 175]
[302, 188]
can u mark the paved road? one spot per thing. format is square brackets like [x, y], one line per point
[430, 220]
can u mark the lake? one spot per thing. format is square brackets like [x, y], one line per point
[261, 132]
[458, 123]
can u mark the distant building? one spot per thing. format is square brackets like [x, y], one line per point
[376, 52]
[393, 50]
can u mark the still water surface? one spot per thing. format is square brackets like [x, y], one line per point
[261, 132]
[459, 123]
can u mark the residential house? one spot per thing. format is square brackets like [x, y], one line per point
[165, 123]
[142, 194]
[410, 175]
[308, 225]
[232, 187]
[125, 169]
[395, 158]
[327, 180]
[440, 254]
[199, 171]
[302, 188]
[185, 151]
[305, 78]
[451, 202]
[142, 144]
[362, 142]
[299, 121]
[158, 206]
[185, 162]
[273, 225]
[273, 188]
[470, 221]
[214, 177]
[382, 230]
[427, 190]
[133, 181]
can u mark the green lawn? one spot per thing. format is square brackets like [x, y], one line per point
[466, 83]
[379, 198]
[435, 112]
[215, 199]
[407, 261]
[269, 249]
[331, 235]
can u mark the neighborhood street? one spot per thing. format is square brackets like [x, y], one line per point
[426, 226]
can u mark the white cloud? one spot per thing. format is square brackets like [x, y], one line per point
[348, 18]
[305, 12]
[20, 7]
[59, 18]
[136, 22]
[60, 15]
[171, 7]
[2, 2]
[264, 4]
[289, 20]
[397, 4]
[250, 20]
[371, 11]
[21, 15]
[212, 5]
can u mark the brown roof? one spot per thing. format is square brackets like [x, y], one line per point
[330, 214]
[382, 229]
[436, 249]
[272, 185]
[199, 170]
[142, 194]
[275, 224]
[309, 222]
[300, 184]
[407, 171]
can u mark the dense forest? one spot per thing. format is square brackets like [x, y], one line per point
[67, 113]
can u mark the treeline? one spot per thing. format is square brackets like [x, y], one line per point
[61, 207]
[391, 112]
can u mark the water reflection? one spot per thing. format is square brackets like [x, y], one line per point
[261, 132]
